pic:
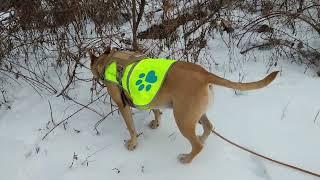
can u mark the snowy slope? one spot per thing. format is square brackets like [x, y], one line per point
[277, 121]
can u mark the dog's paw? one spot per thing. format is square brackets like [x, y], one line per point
[185, 158]
[154, 124]
[131, 145]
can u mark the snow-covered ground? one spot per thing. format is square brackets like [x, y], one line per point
[278, 121]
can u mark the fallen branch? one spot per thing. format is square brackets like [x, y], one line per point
[71, 116]
[91, 109]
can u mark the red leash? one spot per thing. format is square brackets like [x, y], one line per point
[265, 157]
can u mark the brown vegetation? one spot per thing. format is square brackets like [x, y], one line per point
[38, 37]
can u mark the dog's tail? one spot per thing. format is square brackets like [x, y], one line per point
[242, 86]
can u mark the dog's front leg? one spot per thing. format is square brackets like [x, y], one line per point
[115, 94]
[127, 116]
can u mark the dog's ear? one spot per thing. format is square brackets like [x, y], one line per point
[92, 56]
[107, 51]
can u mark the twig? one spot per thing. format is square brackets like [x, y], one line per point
[65, 125]
[46, 85]
[74, 157]
[102, 119]
[91, 109]
[71, 116]
[284, 111]
[4, 98]
[315, 118]
[51, 114]
[268, 44]
[86, 161]
[70, 81]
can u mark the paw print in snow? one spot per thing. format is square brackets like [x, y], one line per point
[146, 81]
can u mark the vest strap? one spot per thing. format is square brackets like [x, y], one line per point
[119, 75]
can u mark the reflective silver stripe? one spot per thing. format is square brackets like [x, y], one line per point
[129, 75]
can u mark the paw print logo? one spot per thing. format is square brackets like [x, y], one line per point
[146, 81]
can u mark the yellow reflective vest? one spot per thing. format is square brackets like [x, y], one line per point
[141, 80]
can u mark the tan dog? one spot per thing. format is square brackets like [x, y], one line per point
[186, 91]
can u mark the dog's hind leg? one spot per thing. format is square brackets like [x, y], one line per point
[207, 128]
[156, 122]
[114, 92]
[186, 123]
[187, 113]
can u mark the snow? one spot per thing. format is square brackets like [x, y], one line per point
[4, 15]
[277, 121]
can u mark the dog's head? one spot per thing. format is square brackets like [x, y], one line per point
[93, 63]
[97, 62]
